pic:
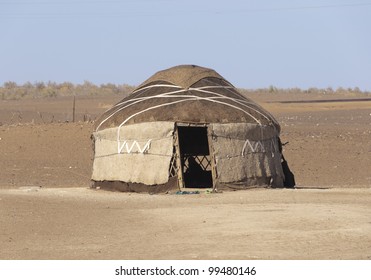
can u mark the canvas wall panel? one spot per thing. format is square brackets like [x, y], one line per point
[244, 131]
[246, 151]
[124, 160]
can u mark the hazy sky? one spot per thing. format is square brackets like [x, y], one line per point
[253, 44]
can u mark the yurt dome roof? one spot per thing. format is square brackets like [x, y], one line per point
[188, 94]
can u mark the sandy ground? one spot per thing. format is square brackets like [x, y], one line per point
[328, 217]
[77, 223]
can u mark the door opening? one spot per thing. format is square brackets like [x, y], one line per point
[195, 157]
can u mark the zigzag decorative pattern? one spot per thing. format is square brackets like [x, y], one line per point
[125, 147]
[259, 147]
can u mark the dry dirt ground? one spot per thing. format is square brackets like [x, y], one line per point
[327, 217]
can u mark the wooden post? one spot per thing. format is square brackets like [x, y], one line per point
[212, 158]
[73, 108]
[178, 159]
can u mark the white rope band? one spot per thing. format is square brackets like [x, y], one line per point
[171, 94]
[216, 98]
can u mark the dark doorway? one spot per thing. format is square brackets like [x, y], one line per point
[195, 157]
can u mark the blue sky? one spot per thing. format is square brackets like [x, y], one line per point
[253, 44]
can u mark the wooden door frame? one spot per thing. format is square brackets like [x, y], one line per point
[178, 154]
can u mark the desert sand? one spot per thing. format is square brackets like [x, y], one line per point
[48, 211]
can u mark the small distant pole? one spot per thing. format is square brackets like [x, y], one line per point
[73, 108]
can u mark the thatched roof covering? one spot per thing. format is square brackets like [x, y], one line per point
[189, 94]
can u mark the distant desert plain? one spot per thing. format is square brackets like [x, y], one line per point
[49, 211]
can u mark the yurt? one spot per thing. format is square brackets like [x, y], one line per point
[186, 127]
